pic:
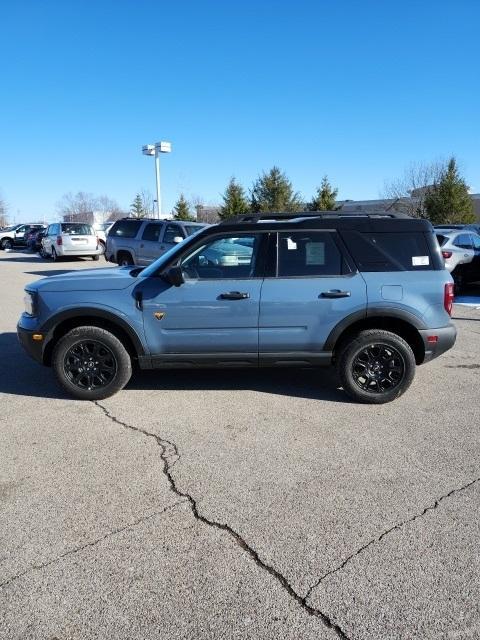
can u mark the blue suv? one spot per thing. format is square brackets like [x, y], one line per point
[366, 293]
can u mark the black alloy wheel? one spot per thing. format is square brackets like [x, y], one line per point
[378, 368]
[90, 365]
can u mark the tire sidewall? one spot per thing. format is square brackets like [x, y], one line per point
[124, 363]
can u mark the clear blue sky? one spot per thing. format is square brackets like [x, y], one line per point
[349, 88]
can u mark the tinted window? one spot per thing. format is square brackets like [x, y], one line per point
[308, 253]
[172, 231]
[225, 257]
[152, 232]
[399, 251]
[191, 229]
[476, 242]
[76, 229]
[125, 228]
[441, 239]
[463, 240]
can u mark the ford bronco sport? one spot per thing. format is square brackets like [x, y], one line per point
[367, 293]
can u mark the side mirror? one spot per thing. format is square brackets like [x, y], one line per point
[177, 239]
[175, 276]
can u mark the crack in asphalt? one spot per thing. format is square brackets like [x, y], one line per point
[169, 449]
[92, 543]
[387, 532]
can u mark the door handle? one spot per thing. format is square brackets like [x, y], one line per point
[234, 295]
[335, 293]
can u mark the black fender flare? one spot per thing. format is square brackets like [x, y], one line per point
[93, 312]
[370, 313]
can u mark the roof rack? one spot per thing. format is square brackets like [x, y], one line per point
[301, 215]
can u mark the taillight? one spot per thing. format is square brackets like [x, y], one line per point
[446, 254]
[59, 241]
[448, 298]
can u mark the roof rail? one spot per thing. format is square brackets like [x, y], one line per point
[300, 215]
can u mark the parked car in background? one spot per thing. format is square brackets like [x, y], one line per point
[474, 226]
[33, 239]
[64, 239]
[461, 251]
[14, 236]
[102, 229]
[141, 242]
[367, 293]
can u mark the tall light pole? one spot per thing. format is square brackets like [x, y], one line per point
[155, 150]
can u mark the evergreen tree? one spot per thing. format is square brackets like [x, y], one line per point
[325, 198]
[234, 201]
[181, 210]
[448, 201]
[273, 192]
[136, 208]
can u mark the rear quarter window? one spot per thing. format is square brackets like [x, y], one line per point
[125, 228]
[395, 251]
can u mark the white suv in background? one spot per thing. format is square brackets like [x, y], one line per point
[461, 251]
[64, 239]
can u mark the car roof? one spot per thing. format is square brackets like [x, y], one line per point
[380, 221]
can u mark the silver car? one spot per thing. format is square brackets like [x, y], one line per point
[461, 251]
[64, 239]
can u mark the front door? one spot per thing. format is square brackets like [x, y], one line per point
[314, 289]
[213, 316]
[149, 244]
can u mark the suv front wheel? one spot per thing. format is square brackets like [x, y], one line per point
[376, 366]
[91, 363]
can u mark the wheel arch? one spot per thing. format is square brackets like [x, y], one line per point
[60, 324]
[404, 324]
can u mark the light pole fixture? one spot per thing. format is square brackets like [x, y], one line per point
[155, 150]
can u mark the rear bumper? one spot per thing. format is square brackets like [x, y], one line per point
[446, 337]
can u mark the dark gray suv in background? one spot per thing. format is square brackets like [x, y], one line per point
[140, 242]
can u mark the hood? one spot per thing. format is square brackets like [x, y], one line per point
[109, 279]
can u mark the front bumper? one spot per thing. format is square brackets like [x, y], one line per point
[34, 348]
[446, 337]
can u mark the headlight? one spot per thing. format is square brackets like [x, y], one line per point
[29, 300]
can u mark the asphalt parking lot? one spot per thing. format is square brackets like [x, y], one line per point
[237, 504]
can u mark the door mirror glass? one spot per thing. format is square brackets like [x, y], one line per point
[177, 239]
[174, 276]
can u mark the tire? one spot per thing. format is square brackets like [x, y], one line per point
[101, 246]
[124, 259]
[7, 244]
[42, 253]
[54, 255]
[376, 366]
[95, 257]
[77, 369]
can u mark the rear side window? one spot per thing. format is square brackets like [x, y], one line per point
[308, 253]
[464, 241]
[75, 229]
[396, 251]
[125, 228]
[152, 232]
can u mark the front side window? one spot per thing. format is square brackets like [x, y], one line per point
[172, 231]
[225, 257]
[152, 232]
[308, 253]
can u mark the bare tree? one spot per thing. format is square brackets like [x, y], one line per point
[148, 203]
[109, 209]
[408, 192]
[78, 207]
[3, 213]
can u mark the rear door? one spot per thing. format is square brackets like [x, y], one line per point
[78, 237]
[315, 287]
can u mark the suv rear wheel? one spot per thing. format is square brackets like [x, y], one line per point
[91, 363]
[7, 243]
[124, 259]
[376, 366]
